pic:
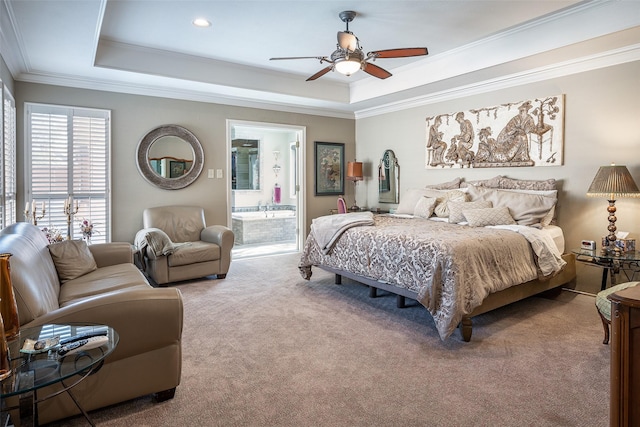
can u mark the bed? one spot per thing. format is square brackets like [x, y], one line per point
[456, 265]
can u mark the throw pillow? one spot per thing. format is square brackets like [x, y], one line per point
[72, 259]
[412, 196]
[488, 216]
[527, 184]
[442, 205]
[449, 185]
[526, 209]
[424, 207]
[456, 209]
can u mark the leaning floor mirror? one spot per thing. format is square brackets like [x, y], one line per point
[388, 178]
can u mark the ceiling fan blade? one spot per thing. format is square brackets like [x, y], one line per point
[347, 41]
[320, 73]
[376, 71]
[321, 58]
[399, 53]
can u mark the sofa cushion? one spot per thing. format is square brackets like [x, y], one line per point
[193, 252]
[104, 279]
[72, 259]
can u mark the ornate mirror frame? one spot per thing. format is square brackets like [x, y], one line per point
[388, 178]
[147, 172]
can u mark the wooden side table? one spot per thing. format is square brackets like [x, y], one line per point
[625, 357]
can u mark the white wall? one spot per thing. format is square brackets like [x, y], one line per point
[602, 108]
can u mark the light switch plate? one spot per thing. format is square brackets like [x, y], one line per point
[218, 173]
[210, 173]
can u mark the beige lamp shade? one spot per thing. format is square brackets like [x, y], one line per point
[354, 171]
[613, 182]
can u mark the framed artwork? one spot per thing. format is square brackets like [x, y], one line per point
[516, 134]
[177, 169]
[329, 168]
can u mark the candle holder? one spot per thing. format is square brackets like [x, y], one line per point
[69, 212]
[31, 215]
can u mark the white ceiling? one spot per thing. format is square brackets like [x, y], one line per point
[151, 47]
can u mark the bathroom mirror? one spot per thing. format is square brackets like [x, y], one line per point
[170, 157]
[245, 164]
[388, 178]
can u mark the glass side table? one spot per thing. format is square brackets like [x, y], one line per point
[627, 263]
[32, 371]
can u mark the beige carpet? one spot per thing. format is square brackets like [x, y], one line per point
[266, 348]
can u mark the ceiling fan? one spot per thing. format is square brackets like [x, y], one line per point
[348, 57]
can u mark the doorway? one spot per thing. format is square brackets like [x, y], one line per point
[266, 174]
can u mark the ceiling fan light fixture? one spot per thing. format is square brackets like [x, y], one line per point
[348, 66]
[347, 63]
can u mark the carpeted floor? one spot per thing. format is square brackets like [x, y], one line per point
[266, 348]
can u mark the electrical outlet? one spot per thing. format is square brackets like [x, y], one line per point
[210, 174]
[218, 173]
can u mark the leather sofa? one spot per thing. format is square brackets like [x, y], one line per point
[148, 357]
[176, 244]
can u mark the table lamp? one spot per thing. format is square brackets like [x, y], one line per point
[613, 182]
[354, 173]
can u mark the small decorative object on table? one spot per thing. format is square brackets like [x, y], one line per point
[31, 213]
[86, 227]
[53, 234]
[69, 211]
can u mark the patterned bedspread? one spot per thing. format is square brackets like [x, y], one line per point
[451, 267]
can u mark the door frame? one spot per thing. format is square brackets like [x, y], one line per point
[301, 134]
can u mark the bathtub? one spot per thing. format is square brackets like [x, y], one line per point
[261, 214]
[257, 227]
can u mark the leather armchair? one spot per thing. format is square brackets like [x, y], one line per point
[187, 248]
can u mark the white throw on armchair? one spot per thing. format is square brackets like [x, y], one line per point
[176, 245]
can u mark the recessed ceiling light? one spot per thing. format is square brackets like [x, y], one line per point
[201, 22]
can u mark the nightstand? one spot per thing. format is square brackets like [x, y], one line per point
[626, 262]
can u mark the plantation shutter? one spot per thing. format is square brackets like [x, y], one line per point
[8, 204]
[68, 150]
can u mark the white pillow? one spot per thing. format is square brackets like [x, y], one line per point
[412, 196]
[525, 208]
[424, 207]
[488, 216]
[456, 208]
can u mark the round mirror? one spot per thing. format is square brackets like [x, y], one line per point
[170, 157]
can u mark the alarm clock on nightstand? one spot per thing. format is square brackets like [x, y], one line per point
[589, 245]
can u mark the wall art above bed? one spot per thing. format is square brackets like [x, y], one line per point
[518, 134]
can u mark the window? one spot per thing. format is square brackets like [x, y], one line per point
[68, 157]
[8, 161]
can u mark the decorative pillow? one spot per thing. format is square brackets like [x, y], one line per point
[488, 183]
[488, 216]
[72, 259]
[424, 207]
[450, 185]
[412, 196]
[442, 210]
[456, 209]
[526, 184]
[526, 209]
[551, 215]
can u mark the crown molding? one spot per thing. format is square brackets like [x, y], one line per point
[561, 69]
[185, 94]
